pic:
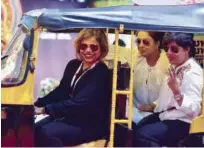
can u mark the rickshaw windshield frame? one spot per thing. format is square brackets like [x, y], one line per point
[15, 60]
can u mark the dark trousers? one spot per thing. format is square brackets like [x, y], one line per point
[59, 133]
[151, 132]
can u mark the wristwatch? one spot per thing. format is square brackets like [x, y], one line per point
[178, 97]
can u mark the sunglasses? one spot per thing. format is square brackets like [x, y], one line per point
[174, 49]
[145, 42]
[93, 47]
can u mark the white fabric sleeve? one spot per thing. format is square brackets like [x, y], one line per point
[191, 104]
[155, 102]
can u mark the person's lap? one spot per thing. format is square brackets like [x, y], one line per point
[153, 132]
[55, 133]
[138, 115]
[148, 120]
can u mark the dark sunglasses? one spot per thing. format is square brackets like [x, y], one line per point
[174, 49]
[145, 42]
[84, 46]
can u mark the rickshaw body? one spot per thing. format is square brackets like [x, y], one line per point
[19, 90]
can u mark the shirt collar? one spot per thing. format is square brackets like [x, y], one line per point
[184, 64]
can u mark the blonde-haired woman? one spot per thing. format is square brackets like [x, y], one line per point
[78, 108]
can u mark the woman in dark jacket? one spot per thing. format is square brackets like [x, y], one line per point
[78, 108]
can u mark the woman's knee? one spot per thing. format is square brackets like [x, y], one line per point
[141, 133]
[144, 137]
[45, 137]
[46, 132]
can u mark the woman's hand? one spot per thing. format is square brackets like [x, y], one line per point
[39, 110]
[3, 114]
[173, 82]
[146, 108]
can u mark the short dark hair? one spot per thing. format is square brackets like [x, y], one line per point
[184, 40]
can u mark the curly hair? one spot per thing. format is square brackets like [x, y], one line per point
[100, 36]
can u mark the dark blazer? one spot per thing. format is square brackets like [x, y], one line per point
[89, 103]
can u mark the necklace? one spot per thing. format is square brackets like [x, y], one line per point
[77, 72]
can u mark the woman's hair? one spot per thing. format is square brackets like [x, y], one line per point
[100, 36]
[184, 40]
[157, 36]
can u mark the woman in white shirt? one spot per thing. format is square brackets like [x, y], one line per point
[179, 100]
[150, 68]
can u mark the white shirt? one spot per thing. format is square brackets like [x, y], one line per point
[147, 83]
[190, 77]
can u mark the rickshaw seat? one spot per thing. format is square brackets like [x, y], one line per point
[197, 125]
[198, 122]
[196, 129]
[96, 143]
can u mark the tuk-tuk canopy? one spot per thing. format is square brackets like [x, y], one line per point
[185, 18]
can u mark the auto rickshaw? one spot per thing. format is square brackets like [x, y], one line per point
[19, 62]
